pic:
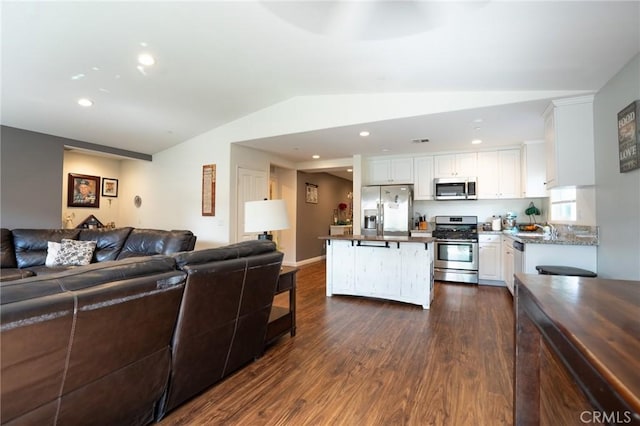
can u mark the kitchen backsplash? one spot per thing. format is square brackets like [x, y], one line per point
[484, 209]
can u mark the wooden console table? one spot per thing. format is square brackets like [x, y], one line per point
[283, 320]
[587, 331]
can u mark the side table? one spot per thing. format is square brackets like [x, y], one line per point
[282, 320]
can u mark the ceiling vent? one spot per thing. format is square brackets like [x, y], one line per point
[424, 140]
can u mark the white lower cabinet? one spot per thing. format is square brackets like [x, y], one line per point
[416, 266]
[490, 257]
[342, 279]
[508, 262]
[377, 269]
[387, 270]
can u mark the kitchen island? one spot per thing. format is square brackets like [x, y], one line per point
[392, 268]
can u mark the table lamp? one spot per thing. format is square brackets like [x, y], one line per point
[265, 216]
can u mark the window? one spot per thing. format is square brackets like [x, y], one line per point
[563, 204]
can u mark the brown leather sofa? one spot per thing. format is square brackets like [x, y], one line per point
[23, 251]
[124, 342]
[211, 342]
[90, 345]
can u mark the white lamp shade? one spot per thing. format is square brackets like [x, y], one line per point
[265, 215]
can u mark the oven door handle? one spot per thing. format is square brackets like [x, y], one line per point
[438, 240]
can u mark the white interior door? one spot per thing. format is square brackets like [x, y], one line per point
[253, 185]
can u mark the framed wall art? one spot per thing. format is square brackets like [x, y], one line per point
[109, 187]
[312, 193]
[83, 191]
[209, 190]
[629, 137]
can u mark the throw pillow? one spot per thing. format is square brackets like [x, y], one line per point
[52, 252]
[75, 253]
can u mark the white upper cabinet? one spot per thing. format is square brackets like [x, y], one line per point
[423, 182]
[534, 170]
[499, 174]
[452, 165]
[389, 171]
[569, 141]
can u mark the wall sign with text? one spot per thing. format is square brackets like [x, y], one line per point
[629, 137]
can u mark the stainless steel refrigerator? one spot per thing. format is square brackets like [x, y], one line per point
[387, 210]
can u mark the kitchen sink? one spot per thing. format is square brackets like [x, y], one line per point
[529, 235]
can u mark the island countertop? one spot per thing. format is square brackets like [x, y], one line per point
[593, 326]
[391, 239]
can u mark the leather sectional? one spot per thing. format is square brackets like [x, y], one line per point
[23, 251]
[126, 341]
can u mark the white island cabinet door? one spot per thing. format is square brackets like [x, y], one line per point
[378, 269]
[416, 273]
[340, 267]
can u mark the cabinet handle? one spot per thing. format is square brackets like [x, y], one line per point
[386, 245]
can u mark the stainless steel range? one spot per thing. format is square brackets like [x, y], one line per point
[456, 249]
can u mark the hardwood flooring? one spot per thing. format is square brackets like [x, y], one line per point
[358, 361]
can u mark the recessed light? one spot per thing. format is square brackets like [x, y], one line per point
[146, 59]
[95, 68]
[77, 76]
[476, 141]
[385, 150]
[85, 102]
[315, 157]
[364, 133]
[478, 120]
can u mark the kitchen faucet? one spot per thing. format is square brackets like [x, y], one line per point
[552, 231]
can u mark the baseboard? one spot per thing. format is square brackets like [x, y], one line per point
[306, 261]
[492, 283]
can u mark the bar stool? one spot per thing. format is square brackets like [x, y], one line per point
[564, 270]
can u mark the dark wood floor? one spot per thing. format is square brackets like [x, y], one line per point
[357, 361]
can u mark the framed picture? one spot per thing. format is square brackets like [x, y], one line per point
[82, 191]
[109, 187]
[312, 193]
[209, 190]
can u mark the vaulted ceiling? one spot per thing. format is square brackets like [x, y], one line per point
[217, 62]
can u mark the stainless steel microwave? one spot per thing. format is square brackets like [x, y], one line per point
[455, 188]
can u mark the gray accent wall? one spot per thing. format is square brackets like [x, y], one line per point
[31, 179]
[617, 194]
[314, 220]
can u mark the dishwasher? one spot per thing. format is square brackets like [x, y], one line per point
[518, 257]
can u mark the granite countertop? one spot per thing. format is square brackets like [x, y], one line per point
[489, 232]
[562, 239]
[376, 238]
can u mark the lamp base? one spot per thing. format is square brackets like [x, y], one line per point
[265, 236]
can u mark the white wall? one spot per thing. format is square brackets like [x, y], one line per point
[171, 188]
[109, 210]
[617, 194]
